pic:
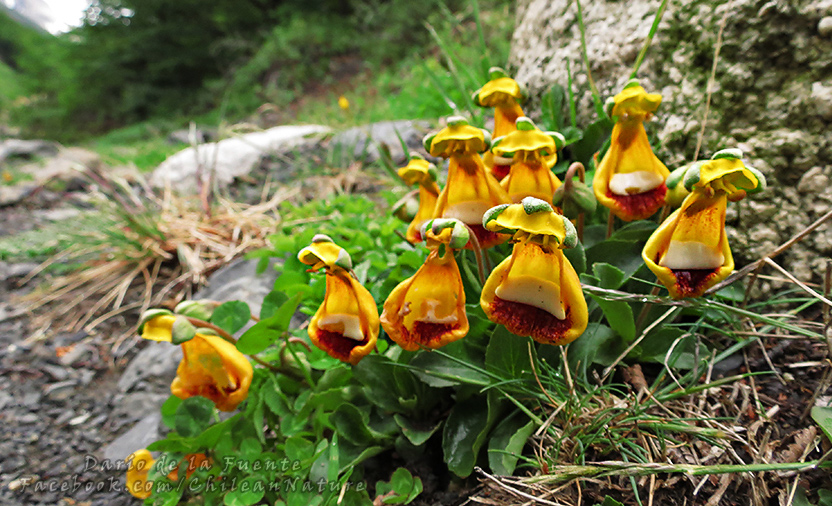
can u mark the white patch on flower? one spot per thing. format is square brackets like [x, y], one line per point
[532, 291]
[346, 324]
[468, 212]
[632, 183]
[686, 255]
[430, 306]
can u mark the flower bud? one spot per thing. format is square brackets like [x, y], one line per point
[183, 330]
[200, 309]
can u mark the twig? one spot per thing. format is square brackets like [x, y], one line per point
[794, 280]
[513, 490]
[635, 343]
[537, 378]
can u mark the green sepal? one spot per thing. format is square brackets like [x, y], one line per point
[344, 261]
[459, 232]
[200, 309]
[632, 83]
[524, 124]
[609, 104]
[692, 176]
[428, 140]
[496, 141]
[456, 121]
[560, 140]
[433, 172]
[486, 138]
[762, 184]
[678, 175]
[524, 93]
[496, 73]
[730, 153]
[182, 330]
[151, 314]
[321, 238]
[493, 213]
[533, 205]
[571, 238]
[475, 97]
[580, 200]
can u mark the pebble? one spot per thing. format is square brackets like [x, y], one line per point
[825, 26]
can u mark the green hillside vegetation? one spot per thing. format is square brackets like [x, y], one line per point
[166, 63]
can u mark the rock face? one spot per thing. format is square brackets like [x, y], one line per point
[772, 96]
[229, 158]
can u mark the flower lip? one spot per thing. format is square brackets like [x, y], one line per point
[457, 136]
[634, 100]
[500, 90]
[325, 253]
[532, 216]
[419, 171]
[527, 137]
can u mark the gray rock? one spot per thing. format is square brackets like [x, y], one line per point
[65, 165]
[135, 405]
[825, 26]
[363, 141]
[239, 281]
[229, 158]
[138, 437]
[771, 98]
[11, 195]
[156, 360]
[26, 148]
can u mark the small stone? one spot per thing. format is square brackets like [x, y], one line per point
[813, 181]
[140, 436]
[825, 26]
[821, 97]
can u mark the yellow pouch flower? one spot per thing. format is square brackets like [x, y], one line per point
[535, 291]
[630, 180]
[470, 191]
[505, 95]
[137, 471]
[533, 153]
[689, 252]
[420, 171]
[346, 324]
[428, 309]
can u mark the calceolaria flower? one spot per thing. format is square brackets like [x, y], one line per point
[470, 191]
[505, 95]
[536, 291]
[420, 171]
[137, 470]
[211, 367]
[428, 309]
[346, 324]
[630, 180]
[689, 252]
[532, 153]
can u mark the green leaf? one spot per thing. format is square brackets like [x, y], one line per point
[415, 432]
[231, 316]
[353, 425]
[169, 411]
[193, 416]
[248, 491]
[822, 415]
[404, 486]
[271, 303]
[551, 107]
[250, 449]
[609, 276]
[597, 345]
[576, 257]
[507, 442]
[265, 332]
[626, 255]
[593, 139]
[465, 431]
[438, 370]
[619, 315]
[299, 449]
[640, 230]
[274, 398]
[375, 373]
[507, 354]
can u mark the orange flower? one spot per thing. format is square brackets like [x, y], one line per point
[137, 471]
[428, 309]
[532, 153]
[211, 366]
[630, 180]
[689, 252]
[505, 95]
[470, 191]
[420, 171]
[536, 291]
[346, 324]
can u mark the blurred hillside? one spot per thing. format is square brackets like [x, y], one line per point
[153, 60]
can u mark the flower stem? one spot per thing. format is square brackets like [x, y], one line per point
[475, 246]
[567, 182]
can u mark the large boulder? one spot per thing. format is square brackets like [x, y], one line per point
[772, 96]
[229, 158]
